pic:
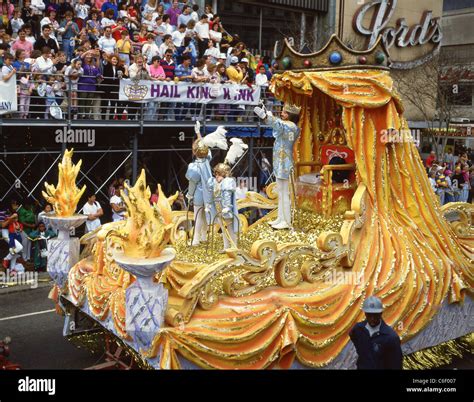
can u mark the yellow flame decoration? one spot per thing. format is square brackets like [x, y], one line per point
[148, 227]
[66, 195]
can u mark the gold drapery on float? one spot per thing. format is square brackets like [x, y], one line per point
[408, 254]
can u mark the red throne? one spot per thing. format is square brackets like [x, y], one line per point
[328, 190]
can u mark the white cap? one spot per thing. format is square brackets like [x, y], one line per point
[222, 56]
[234, 60]
[244, 60]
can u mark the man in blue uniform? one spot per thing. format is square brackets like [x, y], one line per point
[377, 344]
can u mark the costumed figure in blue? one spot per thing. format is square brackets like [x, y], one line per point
[285, 132]
[199, 172]
[223, 187]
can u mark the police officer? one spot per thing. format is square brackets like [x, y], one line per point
[377, 344]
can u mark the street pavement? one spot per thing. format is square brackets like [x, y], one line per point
[37, 340]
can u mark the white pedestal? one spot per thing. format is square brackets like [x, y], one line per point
[146, 301]
[63, 251]
[62, 255]
[145, 312]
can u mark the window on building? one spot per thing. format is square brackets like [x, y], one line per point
[449, 5]
[459, 94]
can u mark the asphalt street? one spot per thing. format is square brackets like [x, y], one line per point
[37, 340]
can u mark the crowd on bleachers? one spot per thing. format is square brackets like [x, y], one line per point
[72, 54]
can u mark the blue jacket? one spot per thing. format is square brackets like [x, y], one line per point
[381, 351]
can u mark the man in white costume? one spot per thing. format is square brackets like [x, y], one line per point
[285, 132]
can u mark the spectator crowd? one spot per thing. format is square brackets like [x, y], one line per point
[70, 55]
[452, 175]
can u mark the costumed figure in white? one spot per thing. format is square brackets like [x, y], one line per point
[199, 172]
[285, 132]
[223, 187]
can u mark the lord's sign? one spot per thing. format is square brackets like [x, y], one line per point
[410, 29]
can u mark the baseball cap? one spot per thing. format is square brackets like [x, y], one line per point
[244, 60]
[222, 56]
[234, 60]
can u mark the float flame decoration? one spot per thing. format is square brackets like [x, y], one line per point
[66, 195]
[148, 227]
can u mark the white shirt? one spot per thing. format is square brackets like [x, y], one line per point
[37, 6]
[195, 16]
[31, 39]
[89, 209]
[202, 29]
[167, 28]
[17, 23]
[214, 53]
[149, 50]
[47, 21]
[43, 65]
[261, 79]
[107, 45]
[197, 73]
[178, 38]
[117, 216]
[215, 36]
[106, 22]
[7, 70]
[163, 48]
[372, 330]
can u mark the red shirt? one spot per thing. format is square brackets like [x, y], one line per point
[132, 12]
[429, 160]
[15, 227]
[117, 33]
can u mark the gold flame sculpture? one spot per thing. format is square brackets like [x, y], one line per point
[66, 195]
[148, 227]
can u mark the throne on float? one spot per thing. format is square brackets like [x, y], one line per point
[329, 184]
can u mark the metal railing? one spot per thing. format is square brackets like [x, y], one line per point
[55, 97]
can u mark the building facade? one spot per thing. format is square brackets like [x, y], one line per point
[261, 23]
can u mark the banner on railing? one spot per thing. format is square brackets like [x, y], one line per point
[188, 92]
[8, 101]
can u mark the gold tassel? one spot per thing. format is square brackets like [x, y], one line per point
[440, 355]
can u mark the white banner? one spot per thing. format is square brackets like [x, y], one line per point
[8, 98]
[188, 92]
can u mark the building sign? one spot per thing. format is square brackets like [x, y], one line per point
[456, 74]
[377, 18]
[454, 131]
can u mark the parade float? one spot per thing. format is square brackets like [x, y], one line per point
[366, 225]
